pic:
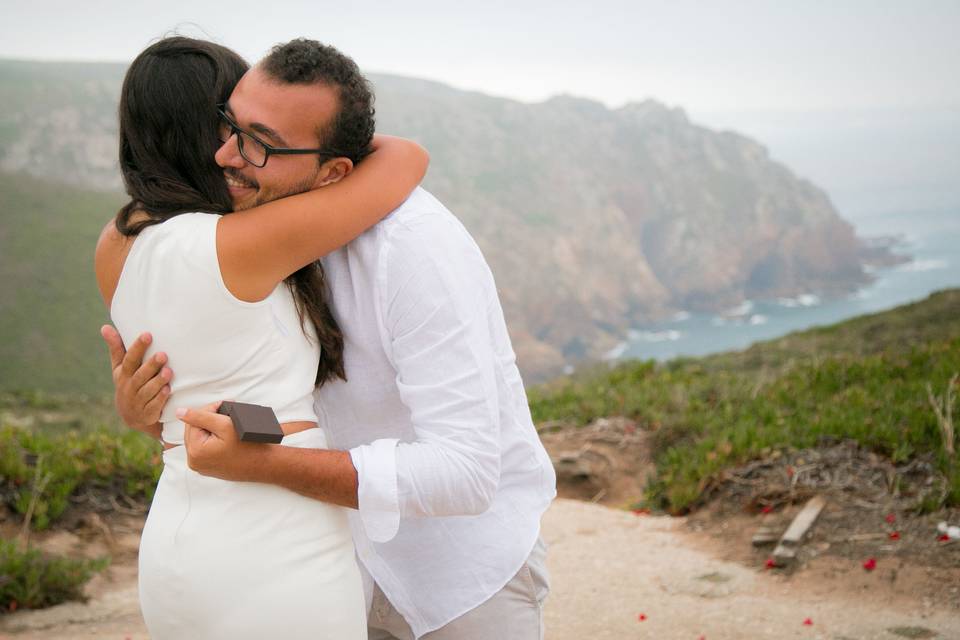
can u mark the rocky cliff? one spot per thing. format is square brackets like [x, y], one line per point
[593, 219]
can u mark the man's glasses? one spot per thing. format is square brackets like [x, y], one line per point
[253, 149]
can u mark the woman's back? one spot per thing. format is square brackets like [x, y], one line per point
[216, 554]
[222, 347]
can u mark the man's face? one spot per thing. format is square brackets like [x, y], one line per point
[281, 115]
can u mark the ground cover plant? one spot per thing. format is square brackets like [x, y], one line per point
[40, 471]
[50, 460]
[865, 379]
[31, 579]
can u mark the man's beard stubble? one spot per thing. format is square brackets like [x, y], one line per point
[265, 195]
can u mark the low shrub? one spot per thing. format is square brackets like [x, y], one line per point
[30, 579]
[48, 468]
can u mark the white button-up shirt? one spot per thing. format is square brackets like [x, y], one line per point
[453, 478]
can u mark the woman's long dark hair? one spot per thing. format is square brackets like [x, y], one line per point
[168, 137]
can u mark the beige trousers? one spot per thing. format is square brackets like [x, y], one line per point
[514, 612]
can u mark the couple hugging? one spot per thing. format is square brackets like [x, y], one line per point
[280, 253]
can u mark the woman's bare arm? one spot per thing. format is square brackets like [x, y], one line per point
[259, 247]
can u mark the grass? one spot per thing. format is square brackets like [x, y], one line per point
[50, 308]
[863, 379]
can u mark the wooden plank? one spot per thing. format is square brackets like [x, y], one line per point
[786, 550]
[804, 520]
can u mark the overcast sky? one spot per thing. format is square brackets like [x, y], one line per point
[707, 55]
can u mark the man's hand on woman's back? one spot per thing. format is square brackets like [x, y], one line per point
[141, 389]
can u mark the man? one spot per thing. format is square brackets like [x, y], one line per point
[435, 449]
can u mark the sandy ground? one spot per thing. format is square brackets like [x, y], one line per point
[610, 568]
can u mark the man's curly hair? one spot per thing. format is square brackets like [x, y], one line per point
[304, 61]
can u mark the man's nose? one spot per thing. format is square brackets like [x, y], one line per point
[228, 155]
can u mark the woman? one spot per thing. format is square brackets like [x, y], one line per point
[225, 559]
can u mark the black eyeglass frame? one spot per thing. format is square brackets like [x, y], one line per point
[235, 129]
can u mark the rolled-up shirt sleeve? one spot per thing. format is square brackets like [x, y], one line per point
[377, 488]
[434, 291]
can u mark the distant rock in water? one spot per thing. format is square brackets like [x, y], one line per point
[593, 220]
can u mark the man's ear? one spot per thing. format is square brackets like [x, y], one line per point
[333, 170]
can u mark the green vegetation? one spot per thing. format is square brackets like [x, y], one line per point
[864, 379]
[31, 579]
[40, 471]
[50, 309]
[54, 448]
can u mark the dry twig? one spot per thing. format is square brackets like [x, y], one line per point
[39, 484]
[943, 408]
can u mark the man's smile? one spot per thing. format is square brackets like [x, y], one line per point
[237, 184]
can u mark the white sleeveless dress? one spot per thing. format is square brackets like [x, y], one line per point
[221, 559]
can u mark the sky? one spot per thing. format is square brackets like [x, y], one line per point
[705, 56]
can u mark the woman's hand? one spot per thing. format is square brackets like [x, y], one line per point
[141, 389]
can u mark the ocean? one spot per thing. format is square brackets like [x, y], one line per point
[930, 237]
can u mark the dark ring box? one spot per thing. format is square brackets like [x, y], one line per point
[253, 422]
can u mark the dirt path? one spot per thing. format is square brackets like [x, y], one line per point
[607, 568]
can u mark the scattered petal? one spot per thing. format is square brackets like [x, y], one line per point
[770, 563]
[808, 622]
[894, 535]
[642, 617]
[890, 518]
[870, 564]
[767, 508]
[943, 537]
[789, 470]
